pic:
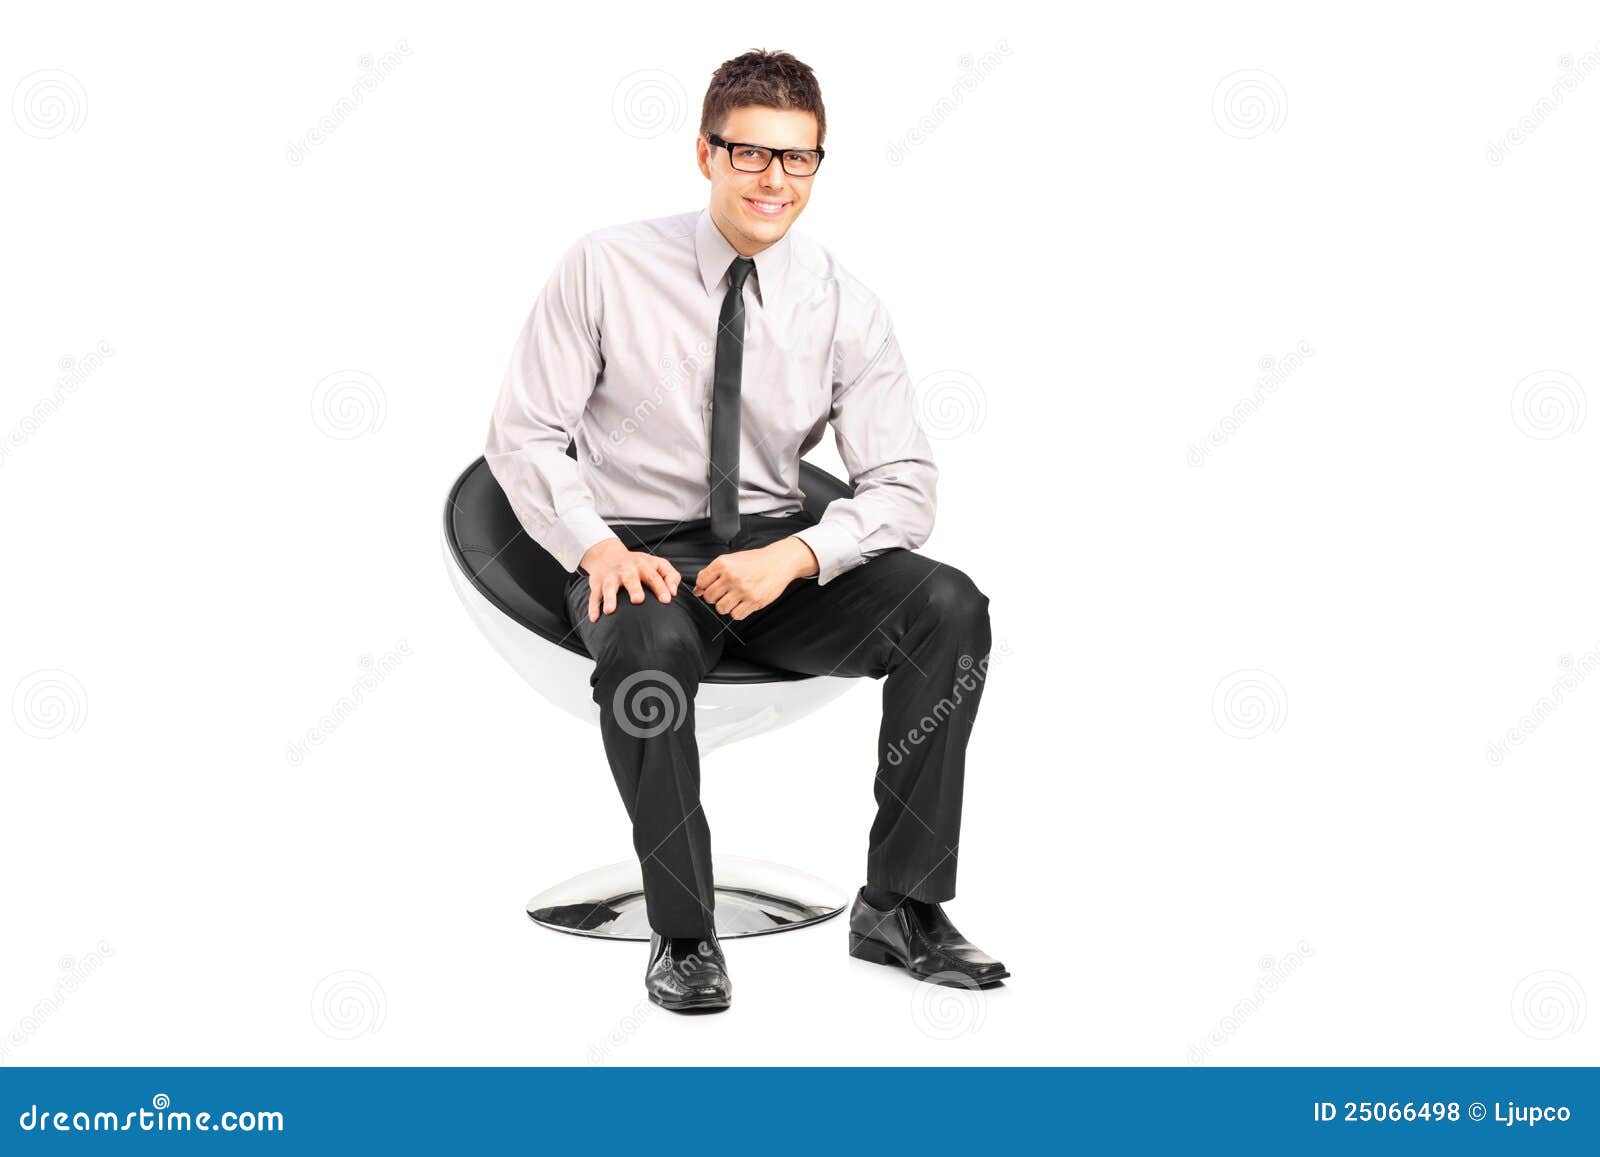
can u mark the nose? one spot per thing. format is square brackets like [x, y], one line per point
[773, 177]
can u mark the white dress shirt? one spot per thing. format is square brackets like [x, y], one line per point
[619, 353]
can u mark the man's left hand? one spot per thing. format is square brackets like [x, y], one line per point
[742, 582]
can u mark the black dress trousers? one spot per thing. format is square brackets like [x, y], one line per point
[917, 624]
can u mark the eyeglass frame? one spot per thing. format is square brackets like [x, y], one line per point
[718, 142]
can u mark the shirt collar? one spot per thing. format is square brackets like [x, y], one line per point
[714, 255]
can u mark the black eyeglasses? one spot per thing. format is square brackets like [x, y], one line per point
[757, 158]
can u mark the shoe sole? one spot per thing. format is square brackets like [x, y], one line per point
[695, 1004]
[877, 952]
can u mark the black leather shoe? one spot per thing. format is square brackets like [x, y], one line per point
[688, 975]
[918, 936]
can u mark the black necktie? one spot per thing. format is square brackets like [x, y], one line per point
[725, 405]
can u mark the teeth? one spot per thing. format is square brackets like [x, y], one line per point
[768, 205]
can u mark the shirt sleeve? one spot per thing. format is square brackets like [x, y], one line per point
[890, 463]
[554, 367]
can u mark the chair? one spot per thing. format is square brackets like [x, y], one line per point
[514, 591]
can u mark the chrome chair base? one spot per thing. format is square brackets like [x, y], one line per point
[754, 897]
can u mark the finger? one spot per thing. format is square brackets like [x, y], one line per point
[708, 575]
[663, 568]
[674, 579]
[745, 609]
[657, 582]
[630, 579]
[609, 585]
[714, 591]
[594, 601]
[726, 603]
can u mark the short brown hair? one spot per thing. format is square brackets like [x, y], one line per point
[767, 79]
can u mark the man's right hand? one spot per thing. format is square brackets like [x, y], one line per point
[611, 565]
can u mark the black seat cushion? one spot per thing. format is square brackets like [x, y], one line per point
[519, 577]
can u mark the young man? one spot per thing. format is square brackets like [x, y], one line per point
[694, 359]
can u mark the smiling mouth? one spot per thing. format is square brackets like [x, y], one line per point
[766, 208]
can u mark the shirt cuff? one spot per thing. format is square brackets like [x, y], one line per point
[836, 549]
[572, 534]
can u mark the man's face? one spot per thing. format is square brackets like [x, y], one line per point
[740, 201]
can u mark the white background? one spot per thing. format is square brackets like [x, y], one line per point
[1229, 797]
